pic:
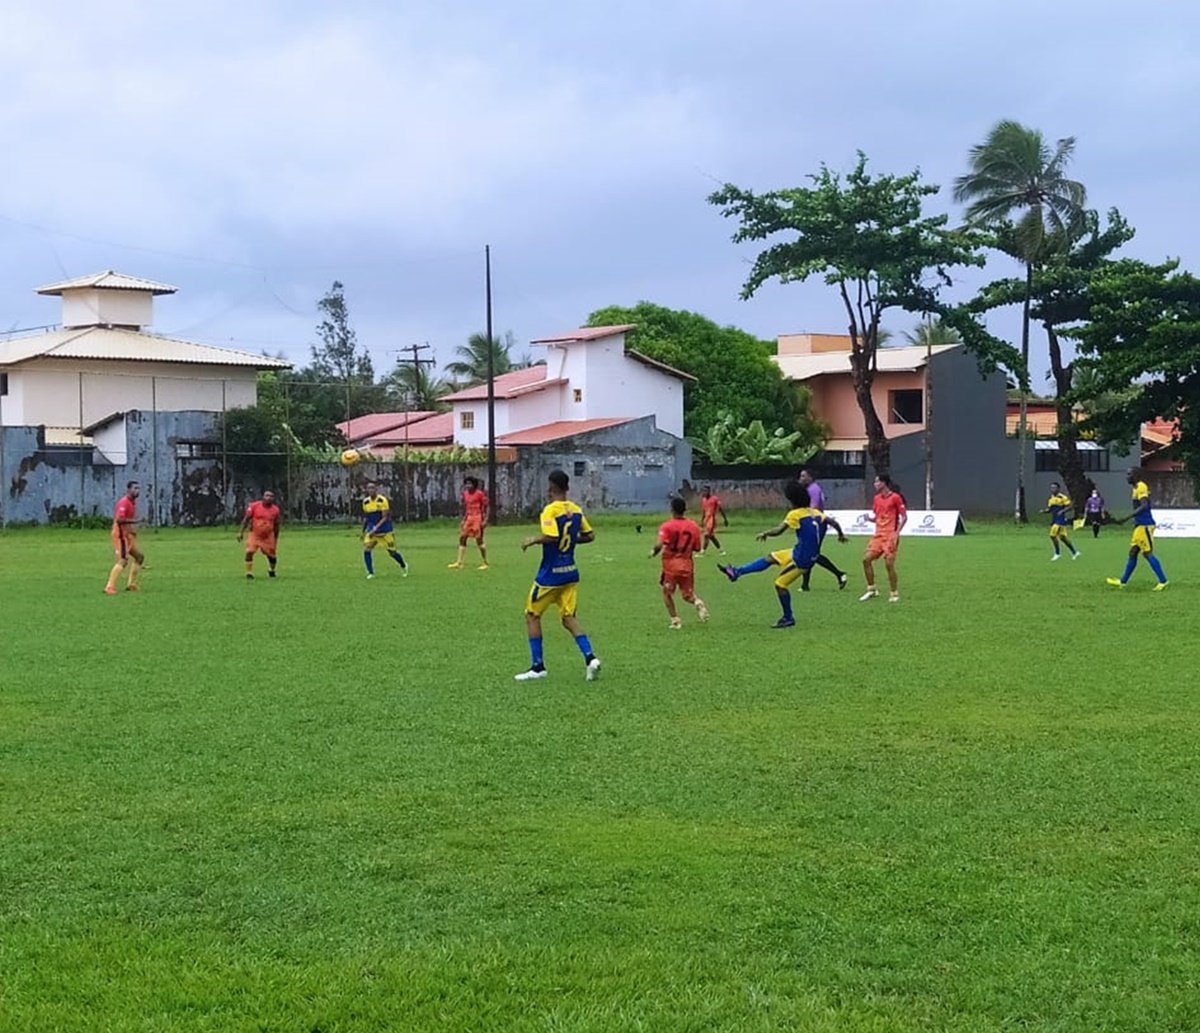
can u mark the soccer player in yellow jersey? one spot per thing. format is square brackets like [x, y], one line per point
[378, 529]
[563, 526]
[1058, 506]
[1142, 542]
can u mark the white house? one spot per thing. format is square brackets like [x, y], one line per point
[591, 378]
[103, 362]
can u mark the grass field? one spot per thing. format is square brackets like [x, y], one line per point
[322, 804]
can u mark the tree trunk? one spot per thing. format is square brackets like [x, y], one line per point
[879, 448]
[1070, 466]
[1021, 513]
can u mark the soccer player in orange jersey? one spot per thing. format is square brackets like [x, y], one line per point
[262, 521]
[710, 508]
[124, 539]
[474, 522]
[889, 516]
[678, 539]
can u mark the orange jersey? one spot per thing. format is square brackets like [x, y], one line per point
[679, 538]
[126, 509]
[475, 504]
[888, 511]
[263, 519]
[708, 509]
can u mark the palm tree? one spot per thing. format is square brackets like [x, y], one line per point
[416, 385]
[1015, 175]
[932, 333]
[472, 363]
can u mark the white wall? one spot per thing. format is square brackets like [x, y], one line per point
[45, 393]
[477, 436]
[96, 307]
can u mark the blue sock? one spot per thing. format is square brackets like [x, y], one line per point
[368, 561]
[397, 557]
[535, 651]
[1156, 567]
[762, 563]
[785, 600]
[585, 647]
[1129, 568]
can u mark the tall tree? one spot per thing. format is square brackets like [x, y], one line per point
[1018, 187]
[870, 240]
[1058, 297]
[733, 369]
[471, 366]
[338, 356]
[416, 386]
[1140, 346]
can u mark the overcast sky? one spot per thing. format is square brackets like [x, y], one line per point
[250, 153]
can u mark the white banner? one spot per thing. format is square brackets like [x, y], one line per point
[922, 523]
[1175, 523]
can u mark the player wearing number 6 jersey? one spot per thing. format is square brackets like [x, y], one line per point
[563, 526]
[678, 539]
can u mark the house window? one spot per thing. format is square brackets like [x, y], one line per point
[577, 394]
[197, 449]
[466, 420]
[1093, 460]
[3, 383]
[906, 406]
[580, 467]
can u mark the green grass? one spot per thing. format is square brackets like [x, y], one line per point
[322, 804]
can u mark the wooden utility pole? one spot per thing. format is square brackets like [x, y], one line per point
[417, 361]
[491, 386]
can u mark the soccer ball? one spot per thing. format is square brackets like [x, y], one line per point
[349, 457]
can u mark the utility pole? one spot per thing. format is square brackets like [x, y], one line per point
[491, 385]
[417, 361]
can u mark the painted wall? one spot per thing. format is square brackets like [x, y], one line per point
[834, 401]
[106, 306]
[42, 393]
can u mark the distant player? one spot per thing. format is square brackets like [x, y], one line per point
[474, 522]
[816, 500]
[1093, 512]
[678, 539]
[1058, 506]
[124, 539]
[1142, 541]
[889, 515]
[262, 521]
[806, 523]
[563, 526]
[710, 509]
[378, 529]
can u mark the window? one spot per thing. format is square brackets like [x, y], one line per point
[1094, 460]
[466, 420]
[197, 449]
[580, 467]
[906, 406]
[577, 394]
[3, 383]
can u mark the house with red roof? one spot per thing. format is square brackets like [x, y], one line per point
[382, 433]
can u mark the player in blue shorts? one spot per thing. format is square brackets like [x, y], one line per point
[806, 523]
[563, 526]
[1142, 541]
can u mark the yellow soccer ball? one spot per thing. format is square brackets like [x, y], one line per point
[349, 457]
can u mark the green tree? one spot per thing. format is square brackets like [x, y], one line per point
[727, 441]
[338, 356]
[933, 333]
[733, 369]
[869, 239]
[1018, 187]
[1057, 297]
[1140, 347]
[416, 386]
[471, 366]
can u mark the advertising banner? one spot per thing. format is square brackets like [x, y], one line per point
[922, 523]
[1174, 523]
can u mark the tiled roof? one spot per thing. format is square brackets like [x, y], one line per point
[373, 424]
[114, 343]
[584, 333]
[558, 430]
[888, 360]
[435, 429]
[110, 280]
[508, 385]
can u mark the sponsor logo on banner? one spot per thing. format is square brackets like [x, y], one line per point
[923, 523]
[1175, 523]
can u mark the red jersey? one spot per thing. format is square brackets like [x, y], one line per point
[475, 503]
[888, 511]
[126, 509]
[262, 518]
[679, 538]
[709, 507]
